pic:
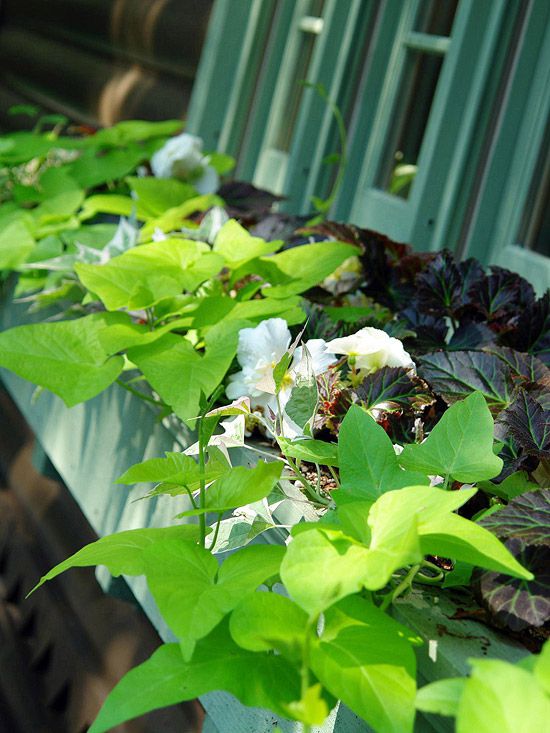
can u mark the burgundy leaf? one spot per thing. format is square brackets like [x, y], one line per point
[529, 424]
[527, 517]
[514, 603]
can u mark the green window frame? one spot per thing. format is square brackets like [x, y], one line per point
[477, 158]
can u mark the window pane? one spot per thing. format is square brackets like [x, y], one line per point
[410, 117]
[436, 17]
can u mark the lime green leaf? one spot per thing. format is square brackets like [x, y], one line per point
[221, 162]
[143, 276]
[357, 611]
[65, 357]
[178, 373]
[217, 664]
[122, 553]
[174, 218]
[239, 487]
[501, 697]
[457, 537]
[265, 621]
[441, 697]
[237, 246]
[173, 369]
[110, 203]
[280, 370]
[157, 195]
[176, 469]
[312, 708]
[368, 464]
[58, 207]
[371, 668]
[300, 268]
[512, 486]
[130, 131]
[460, 445]
[322, 566]
[194, 594]
[94, 168]
[313, 451]
[16, 244]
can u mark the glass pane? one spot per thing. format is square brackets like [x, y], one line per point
[283, 139]
[408, 125]
[435, 17]
[534, 232]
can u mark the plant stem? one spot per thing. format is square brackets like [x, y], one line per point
[403, 586]
[202, 489]
[216, 532]
[150, 318]
[310, 489]
[334, 476]
[139, 394]
[190, 494]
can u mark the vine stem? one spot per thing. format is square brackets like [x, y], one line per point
[216, 532]
[403, 586]
[306, 484]
[202, 489]
[139, 394]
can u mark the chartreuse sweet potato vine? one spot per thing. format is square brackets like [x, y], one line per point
[172, 310]
[295, 628]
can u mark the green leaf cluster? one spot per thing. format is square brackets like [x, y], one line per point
[310, 619]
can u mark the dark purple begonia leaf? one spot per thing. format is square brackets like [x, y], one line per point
[529, 424]
[456, 374]
[524, 367]
[278, 225]
[532, 333]
[394, 387]
[501, 296]
[514, 603]
[471, 336]
[512, 455]
[444, 287]
[244, 199]
[527, 517]
[430, 331]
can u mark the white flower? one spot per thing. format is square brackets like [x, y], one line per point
[182, 157]
[372, 350]
[260, 350]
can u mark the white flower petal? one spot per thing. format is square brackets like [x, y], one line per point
[372, 349]
[208, 181]
[266, 342]
[178, 157]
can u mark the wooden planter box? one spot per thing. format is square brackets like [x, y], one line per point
[92, 444]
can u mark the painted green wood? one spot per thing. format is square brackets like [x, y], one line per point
[271, 165]
[480, 146]
[315, 133]
[218, 67]
[515, 152]
[450, 126]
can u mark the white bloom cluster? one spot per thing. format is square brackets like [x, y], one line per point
[372, 349]
[182, 157]
[260, 350]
